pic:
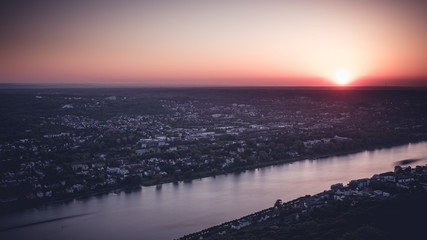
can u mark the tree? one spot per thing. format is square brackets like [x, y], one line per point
[251, 160]
[263, 156]
[298, 146]
[278, 203]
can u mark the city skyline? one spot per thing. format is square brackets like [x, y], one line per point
[215, 43]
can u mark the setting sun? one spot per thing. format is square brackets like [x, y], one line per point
[342, 77]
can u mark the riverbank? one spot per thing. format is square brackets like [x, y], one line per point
[403, 187]
[37, 203]
[180, 208]
[200, 175]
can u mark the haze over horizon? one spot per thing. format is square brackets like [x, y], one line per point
[215, 43]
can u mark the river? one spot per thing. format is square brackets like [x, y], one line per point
[177, 209]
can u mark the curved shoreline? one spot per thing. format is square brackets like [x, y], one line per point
[22, 205]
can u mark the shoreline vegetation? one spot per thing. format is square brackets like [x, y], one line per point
[21, 205]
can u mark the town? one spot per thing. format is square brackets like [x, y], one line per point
[62, 143]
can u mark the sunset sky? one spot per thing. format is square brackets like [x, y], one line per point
[215, 42]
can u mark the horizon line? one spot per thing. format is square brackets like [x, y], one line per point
[176, 86]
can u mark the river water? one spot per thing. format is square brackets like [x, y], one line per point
[177, 209]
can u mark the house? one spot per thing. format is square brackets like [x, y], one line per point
[69, 106]
[240, 224]
[360, 183]
[380, 193]
[405, 179]
[98, 165]
[337, 186]
[142, 151]
[76, 167]
[113, 98]
[388, 176]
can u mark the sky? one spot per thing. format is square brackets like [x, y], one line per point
[215, 42]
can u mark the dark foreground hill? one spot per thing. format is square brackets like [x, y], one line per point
[390, 205]
[402, 217]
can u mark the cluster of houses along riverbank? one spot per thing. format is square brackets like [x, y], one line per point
[380, 186]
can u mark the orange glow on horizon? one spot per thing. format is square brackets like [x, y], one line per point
[216, 42]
